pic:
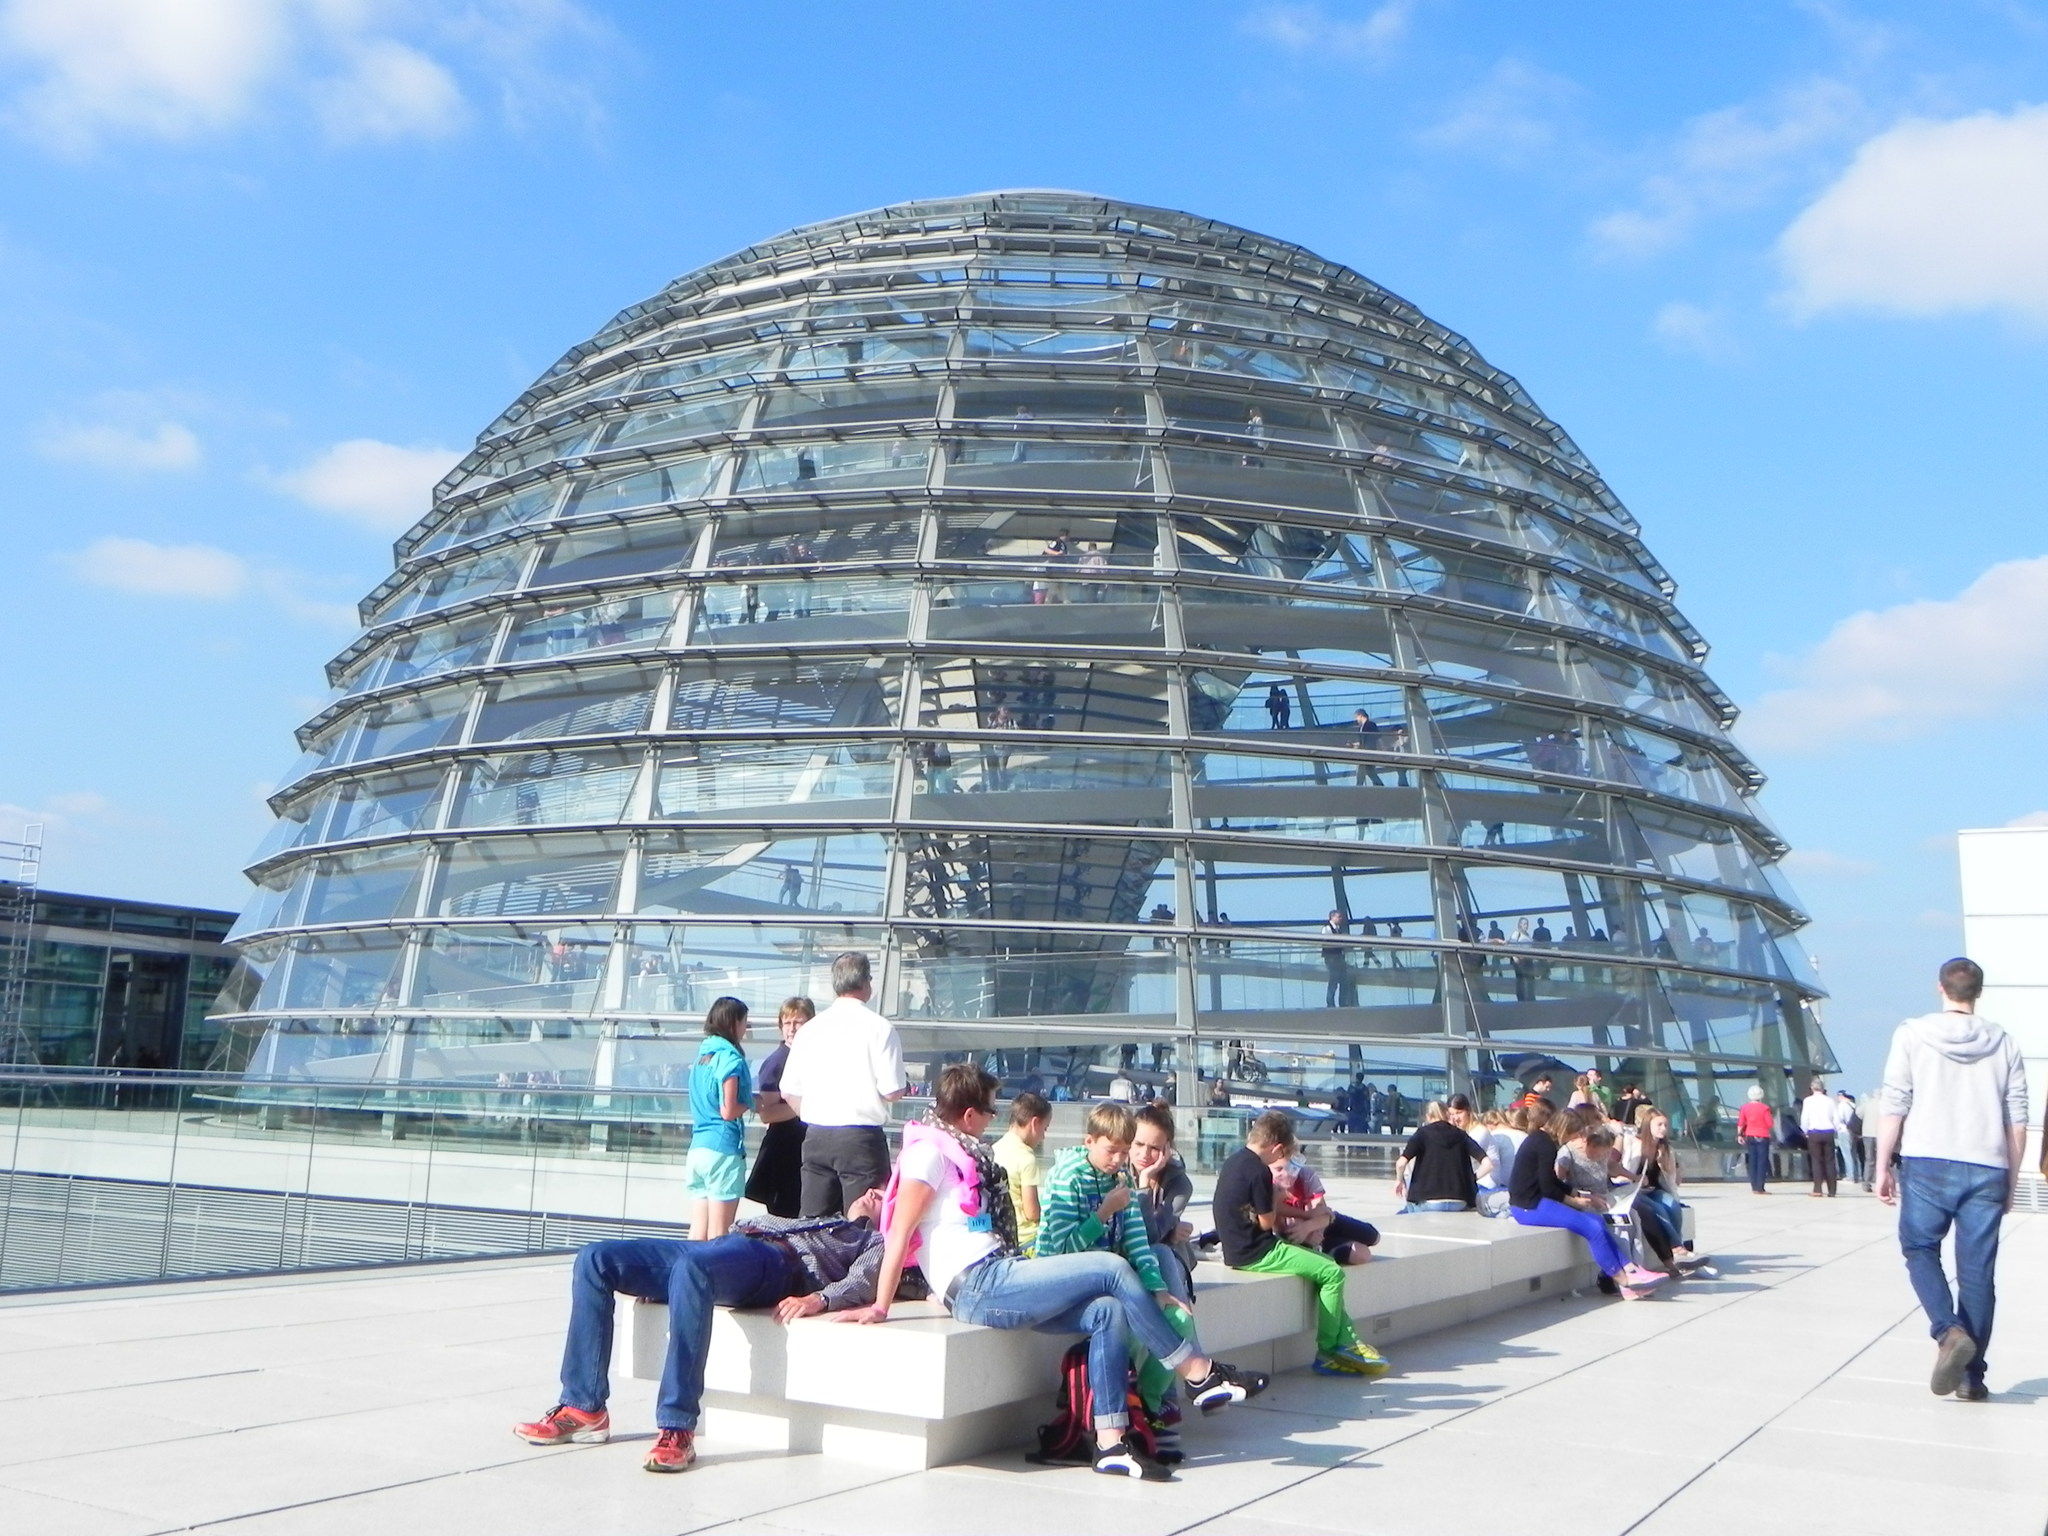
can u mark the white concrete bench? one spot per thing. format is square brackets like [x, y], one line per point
[924, 1390]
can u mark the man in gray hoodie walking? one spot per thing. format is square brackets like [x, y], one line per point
[1955, 1113]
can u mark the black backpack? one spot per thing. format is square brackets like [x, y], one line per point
[1070, 1437]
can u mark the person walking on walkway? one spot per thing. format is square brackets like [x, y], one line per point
[1955, 1114]
[844, 1068]
[1817, 1121]
[1755, 1124]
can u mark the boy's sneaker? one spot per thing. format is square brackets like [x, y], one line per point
[1359, 1359]
[674, 1450]
[563, 1425]
[1637, 1278]
[1226, 1385]
[1125, 1460]
[1332, 1365]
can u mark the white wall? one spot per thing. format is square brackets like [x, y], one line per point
[2005, 930]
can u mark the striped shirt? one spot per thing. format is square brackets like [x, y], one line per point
[1067, 1222]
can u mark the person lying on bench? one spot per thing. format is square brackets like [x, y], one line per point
[800, 1267]
[948, 1208]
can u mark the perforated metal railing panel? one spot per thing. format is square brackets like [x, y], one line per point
[64, 1230]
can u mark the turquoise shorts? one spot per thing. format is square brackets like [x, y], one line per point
[711, 1175]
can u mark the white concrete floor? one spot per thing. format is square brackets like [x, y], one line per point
[1790, 1394]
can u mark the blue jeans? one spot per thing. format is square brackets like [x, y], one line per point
[1593, 1228]
[1664, 1208]
[730, 1271]
[1414, 1206]
[1934, 1194]
[1097, 1294]
[1759, 1150]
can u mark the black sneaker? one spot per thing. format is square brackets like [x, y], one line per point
[1953, 1353]
[1974, 1392]
[1166, 1444]
[1125, 1460]
[1225, 1386]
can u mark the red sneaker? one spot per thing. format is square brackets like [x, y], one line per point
[563, 1425]
[674, 1450]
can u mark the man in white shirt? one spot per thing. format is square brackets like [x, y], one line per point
[1817, 1121]
[844, 1068]
[1955, 1113]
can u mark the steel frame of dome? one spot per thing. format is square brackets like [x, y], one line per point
[928, 581]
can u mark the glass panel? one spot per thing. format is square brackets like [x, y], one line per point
[450, 584]
[974, 976]
[592, 704]
[411, 724]
[661, 544]
[1397, 990]
[1440, 507]
[1092, 879]
[386, 804]
[1346, 560]
[824, 466]
[337, 970]
[1530, 818]
[1025, 695]
[1022, 403]
[1261, 478]
[1594, 554]
[1250, 546]
[297, 824]
[1664, 766]
[1058, 346]
[679, 968]
[269, 905]
[1504, 731]
[710, 781]
[537, 788]
[1460, 578]
[1059, 541]
[1491, 653]
[499, 511]
[1348, 712]
[1303, 797]
[768, 695]
[1573, 602]
[698, 417]
[732, 874]
[849, 404]
[795, 536]
[642, 619]
[613, 489]
[814, 601]
[369, 886]
[527, 877]
[1183, 351]
[1291, 891]
[513, 967]
[1546, 908]
[1675, 843]
[426, 653]
[1641, 690]
[940, 772]
[879, 349]
[1040, 463]
[1258, 421]
[706, 367]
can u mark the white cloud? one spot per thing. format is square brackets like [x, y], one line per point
[62, 817]
[196, 571]
[1728, 159]
[1820, 863]
[1931, 218]
[1894, 673]
[2031, 819]
[168, 445]
[389, 92]
[1687, 327]
[90, 71]
[1308, 29]
[379, 485]
[1518, 112]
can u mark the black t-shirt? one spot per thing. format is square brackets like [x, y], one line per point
[769, 1079]
[1442, 1159]
[1244, 1190]
[1534, 1177]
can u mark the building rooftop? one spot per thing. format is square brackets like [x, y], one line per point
[382, 1401]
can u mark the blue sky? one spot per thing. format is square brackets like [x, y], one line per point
[1781, 269]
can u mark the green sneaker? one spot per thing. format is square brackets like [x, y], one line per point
[1358, 1358]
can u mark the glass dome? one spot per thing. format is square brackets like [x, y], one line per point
[1157, 645]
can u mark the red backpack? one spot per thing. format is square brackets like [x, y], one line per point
[1070, 1437]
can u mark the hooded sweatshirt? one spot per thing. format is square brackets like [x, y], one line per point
[1959, 1081]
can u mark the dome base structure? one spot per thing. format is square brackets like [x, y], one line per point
[1158, 647]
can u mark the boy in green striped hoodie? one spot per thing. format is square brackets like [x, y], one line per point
[1084, 1204]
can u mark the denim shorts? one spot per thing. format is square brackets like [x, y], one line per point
[712, 1175]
